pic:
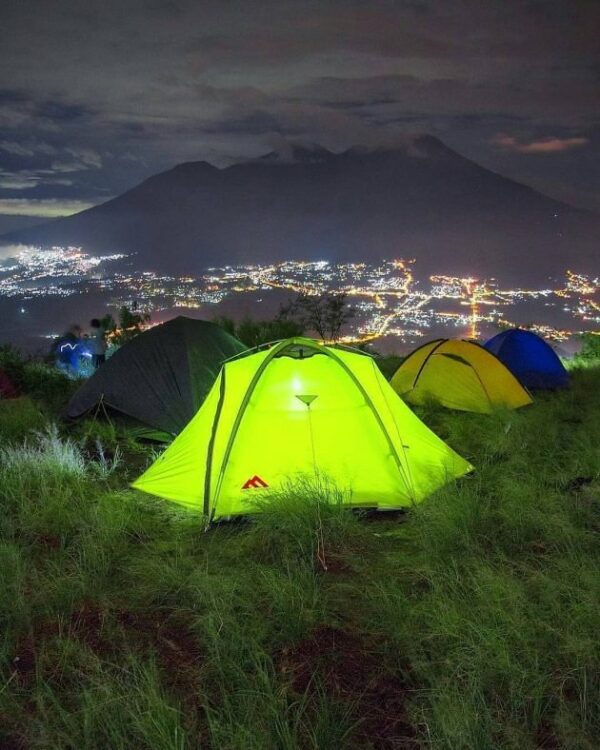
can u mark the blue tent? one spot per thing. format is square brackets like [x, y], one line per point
[530, 358]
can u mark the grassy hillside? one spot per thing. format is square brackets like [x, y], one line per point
[469, 622]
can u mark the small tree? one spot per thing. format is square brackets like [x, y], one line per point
[109, 324]
[590, 346]
[227, 324]
[248, 332]
[309, 310]
[129, 325]
[325, 315]
[256, 332]
[337, 314]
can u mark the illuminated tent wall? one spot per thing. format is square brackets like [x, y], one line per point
[161, 376]
[530, 358]
[459, 375]
[301, 409]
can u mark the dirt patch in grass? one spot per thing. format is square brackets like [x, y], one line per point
[577, 484]
[335, 564]
[112, 635]
[165, 634]
[85, 625]
[11, 740]
[170, 636]
[347, 667]
[385, 517]
[47, 541]
[546, 739]
[24, 660]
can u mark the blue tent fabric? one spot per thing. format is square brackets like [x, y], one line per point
[530, 358]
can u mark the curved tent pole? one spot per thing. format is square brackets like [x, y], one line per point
[375, 413]
[277, 349]
[414, 351]
[353, 350]
[500, 362]
[253, 350]
[238, 418]
[482, 384]
[506, 367]
[383, 394]
[211, 443]
[440, 342]
[266, 344]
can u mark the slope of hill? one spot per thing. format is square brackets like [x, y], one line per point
[471, 621]
[422, 200]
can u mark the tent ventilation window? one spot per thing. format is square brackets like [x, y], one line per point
[456, 358]
[299, 352]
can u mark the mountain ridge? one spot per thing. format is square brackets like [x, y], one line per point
[421, 199]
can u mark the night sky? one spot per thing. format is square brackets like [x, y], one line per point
[95, 96]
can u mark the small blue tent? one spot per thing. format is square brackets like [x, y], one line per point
[530, 358]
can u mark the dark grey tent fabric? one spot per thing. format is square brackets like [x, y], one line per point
[160, 377]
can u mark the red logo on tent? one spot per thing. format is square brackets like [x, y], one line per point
[254, 483]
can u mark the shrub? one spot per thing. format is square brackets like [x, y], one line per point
[389, 364]
[18, 417]
[39, 380]
[590, 347]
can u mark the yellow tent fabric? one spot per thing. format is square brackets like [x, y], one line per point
[459, 375]
[295, 410]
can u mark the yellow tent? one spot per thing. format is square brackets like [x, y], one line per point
[459, 375]
[301, 409]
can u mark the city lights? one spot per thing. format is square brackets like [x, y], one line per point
[388, 297]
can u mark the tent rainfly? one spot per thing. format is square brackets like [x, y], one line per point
[458, 375]
[529, 358]
[161, 376]
[301, 409]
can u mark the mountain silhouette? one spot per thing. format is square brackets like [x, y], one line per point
[419, 200]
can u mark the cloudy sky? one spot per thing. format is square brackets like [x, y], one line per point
[96, 95]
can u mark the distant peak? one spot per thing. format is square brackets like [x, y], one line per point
[193, 167]
[420, 145]
[432, 146]
[310, 152]
[298, 153]
[182, 175]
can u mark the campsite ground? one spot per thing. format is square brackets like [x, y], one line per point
[469, 622]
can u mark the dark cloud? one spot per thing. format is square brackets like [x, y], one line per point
[22, 180]
[59, 112]
[103, 93]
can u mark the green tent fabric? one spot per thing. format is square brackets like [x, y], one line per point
[160, 377]
[295, 410]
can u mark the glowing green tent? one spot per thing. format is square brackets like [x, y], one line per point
[295, 410]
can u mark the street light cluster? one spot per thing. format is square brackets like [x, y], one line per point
[388, 298]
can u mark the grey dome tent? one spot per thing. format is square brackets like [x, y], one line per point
[161, 377]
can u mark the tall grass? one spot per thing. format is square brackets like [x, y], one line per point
[469, 622]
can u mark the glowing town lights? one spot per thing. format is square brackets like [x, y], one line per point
[584, 285]
[387, 297]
